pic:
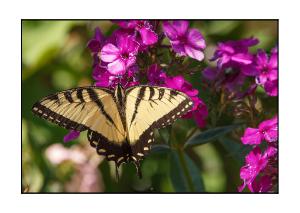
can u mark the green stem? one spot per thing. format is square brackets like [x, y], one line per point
[191, 133]
[182, 161]
[185, 170]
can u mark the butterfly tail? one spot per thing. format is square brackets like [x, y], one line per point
[138, 168]
[117, 173]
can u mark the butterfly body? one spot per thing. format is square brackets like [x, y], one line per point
[120, 122]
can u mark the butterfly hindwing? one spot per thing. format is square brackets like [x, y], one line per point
[148, 108]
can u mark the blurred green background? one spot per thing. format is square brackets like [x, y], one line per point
[55, 57]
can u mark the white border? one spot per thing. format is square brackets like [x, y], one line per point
[10, 179]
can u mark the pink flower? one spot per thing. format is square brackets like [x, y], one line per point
[57, 153]
[267, 68]
[268, 71]
[72, 135]
[231, 79]
[267, 130]
[262, 184]
[96, 43]
[120, 57]
[106, 79]
[236, 54]
[156, 75]
[271, 87]
[199, 111]
[143, 28]
[255, 163]
[185, 41]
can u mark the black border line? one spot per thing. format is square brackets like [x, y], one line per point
[108, 193]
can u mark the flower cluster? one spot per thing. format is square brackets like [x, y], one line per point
[260, 170]
[235, 63]
[131, 55]
[116, 59]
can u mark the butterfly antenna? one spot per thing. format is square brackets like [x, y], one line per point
[117, 173]
[138, 168]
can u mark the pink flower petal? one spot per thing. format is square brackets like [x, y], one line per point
[268, 123]
[271, 87]
[178, 48]
[269, 129]
[192, 92]
[57, 153]
[261, 57]
[253, 157]
[272, 75]
[169, 30]
[241, 188]
[226, 48]
[149, 37]
[103, 80]
[249, 70]
[244, 173]
[121, 41]
[96, 43]
[155, 74]
[200, 115]
[126, 43]
[242, 58]
[181, 27]
[127, 24]
[194, 53]
[175, 82]
[264, 184]
[71, 136]
[109, 53]
[273, 62]
[117, 67]
[252, 136]
[130, 61]
[195, 39]
[223, 61]
[248, 42]
[132, 45]
[270, 152]
[261, 79]
[210, 73]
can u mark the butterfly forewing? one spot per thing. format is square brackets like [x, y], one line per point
[84, 108]
[148, 108]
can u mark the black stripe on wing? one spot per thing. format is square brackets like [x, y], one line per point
[94, 97]
[51, 116]
[137, 103]
[113, 152]
[66, 97]
[143, 145]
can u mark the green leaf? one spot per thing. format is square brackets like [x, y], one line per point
[160, 148]
[177, 174]
[235, 149]
[185, 175]
[210, 135]
[195, 174]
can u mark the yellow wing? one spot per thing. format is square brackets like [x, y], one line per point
[148, 108]
[87, 108]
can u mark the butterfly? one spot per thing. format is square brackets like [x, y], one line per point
[119, 122]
